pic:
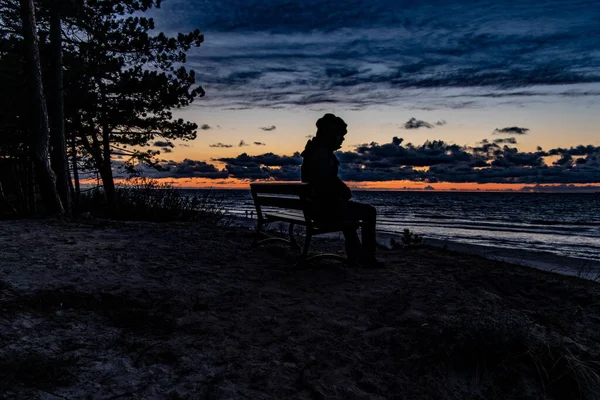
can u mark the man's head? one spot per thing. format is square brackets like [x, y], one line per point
[331, 129]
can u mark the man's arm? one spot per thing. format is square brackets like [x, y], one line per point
[344, 190]
[320, 169]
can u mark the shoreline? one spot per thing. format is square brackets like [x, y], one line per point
[545, 261]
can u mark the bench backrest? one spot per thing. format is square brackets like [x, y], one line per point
[289, 196]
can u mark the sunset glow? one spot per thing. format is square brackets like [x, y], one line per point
[450, 96]
[202, 183]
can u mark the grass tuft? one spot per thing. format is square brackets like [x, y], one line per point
[506, 352]
[144, 199]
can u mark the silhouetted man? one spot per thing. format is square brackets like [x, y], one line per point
[331, 196]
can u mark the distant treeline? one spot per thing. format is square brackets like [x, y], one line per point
[83, 81]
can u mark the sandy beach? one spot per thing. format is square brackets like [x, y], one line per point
[106, 310]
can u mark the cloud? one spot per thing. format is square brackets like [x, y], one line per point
[414, 123]
[205, 127]
[267, 159]
[580, 150]
[260, 144]
[513, 130]
[191, 168]
[286, 173]
[511, 157]
[442, 162]
[506, 140]
[166, 150]
[163, 143]
[264, 166]
[441, 122]
[227, 146]
[184, 169]
[394, 154]
[275, 53]
[268, 128]
[243, 144]
[565, 161]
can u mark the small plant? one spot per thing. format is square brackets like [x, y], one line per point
[408, 239]
[150, 200]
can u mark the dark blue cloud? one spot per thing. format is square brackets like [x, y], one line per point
[576, 151]
[267, 159]
[281, 53]
[510, 140]
[170, 169]
[163, 143]
[513, 130]
[485, 163]
[414, 123]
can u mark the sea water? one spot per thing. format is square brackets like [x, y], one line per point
[565, 224]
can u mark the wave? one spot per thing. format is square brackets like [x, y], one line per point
[487, 226]
[550, 222]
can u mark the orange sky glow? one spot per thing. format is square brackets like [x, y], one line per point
[202, 183]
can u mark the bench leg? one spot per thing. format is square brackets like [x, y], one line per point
[293, 241]
[258, 240]
[304, 253]
[257, 235]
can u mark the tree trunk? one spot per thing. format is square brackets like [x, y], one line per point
[59, 148]
[30, 184]
[40, 138]
[5, 200]
[107, 175]
[106, 170]
[100, 152]
[77, 193]
[109, 186]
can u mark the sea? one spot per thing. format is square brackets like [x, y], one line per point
[565, 224]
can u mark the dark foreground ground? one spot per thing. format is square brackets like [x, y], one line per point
[104, 310]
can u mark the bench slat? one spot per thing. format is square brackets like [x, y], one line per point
[279, 202]
[295, 218]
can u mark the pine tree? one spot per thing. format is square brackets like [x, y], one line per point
[124, 82]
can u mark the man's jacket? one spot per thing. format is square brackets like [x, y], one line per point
[320, 169]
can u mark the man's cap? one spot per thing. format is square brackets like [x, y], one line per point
[328, 121]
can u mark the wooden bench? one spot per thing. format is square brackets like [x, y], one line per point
[290, 203]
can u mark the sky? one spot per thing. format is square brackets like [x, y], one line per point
[446, 94]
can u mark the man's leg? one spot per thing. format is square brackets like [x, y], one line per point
[352, 245]
[367, 214]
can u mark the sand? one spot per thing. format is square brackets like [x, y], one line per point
[106, 310]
